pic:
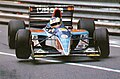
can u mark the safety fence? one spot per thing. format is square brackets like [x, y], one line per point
[104, 14]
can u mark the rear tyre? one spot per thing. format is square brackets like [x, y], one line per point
[23, 44]
[75, 42]
[89, 25]
[13, 27]
[101, 38]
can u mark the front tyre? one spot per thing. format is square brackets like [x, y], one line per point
[23, 44]
[101, 38]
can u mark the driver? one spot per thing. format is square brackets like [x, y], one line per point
[55, 22]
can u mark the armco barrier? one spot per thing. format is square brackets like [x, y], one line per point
[98, 11]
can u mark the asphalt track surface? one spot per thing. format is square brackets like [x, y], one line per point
[58, 67]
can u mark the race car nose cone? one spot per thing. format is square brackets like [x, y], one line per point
[66, 53]
[65, 43]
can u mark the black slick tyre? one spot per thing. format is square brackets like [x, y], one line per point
[87, 24]
[13, 27]
[75, 42]
[23, 44]
[101, 38]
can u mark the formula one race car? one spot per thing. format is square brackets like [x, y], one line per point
[55, 36]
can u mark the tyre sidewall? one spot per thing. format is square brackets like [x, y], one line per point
[102, 41]
[13, 27]
[23, 44]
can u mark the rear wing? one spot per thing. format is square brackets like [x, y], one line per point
[39, 16]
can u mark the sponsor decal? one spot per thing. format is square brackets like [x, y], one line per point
[47, 10]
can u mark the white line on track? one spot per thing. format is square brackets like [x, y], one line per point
[74, 64]
[115, 46]
[95, 67]
[3, 53]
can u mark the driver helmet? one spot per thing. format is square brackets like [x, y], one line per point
[55, 22]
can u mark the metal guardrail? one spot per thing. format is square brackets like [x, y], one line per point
[73, 2]
[93, 10]
[98, 11]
